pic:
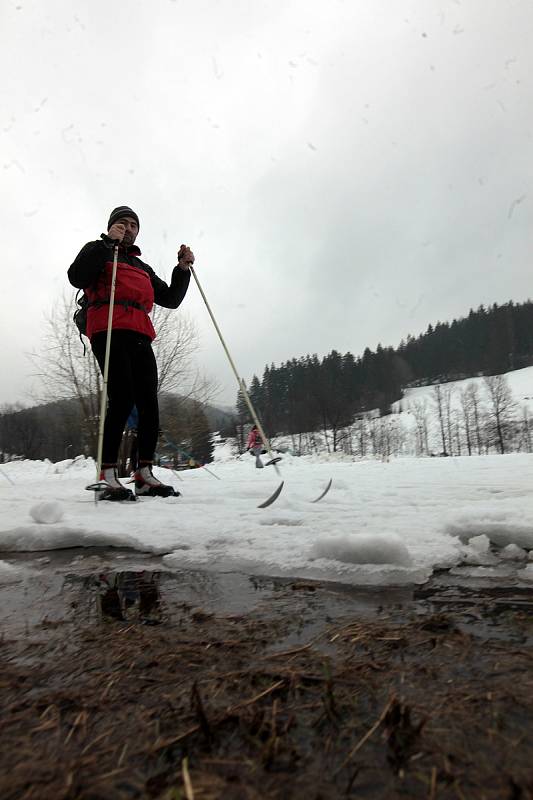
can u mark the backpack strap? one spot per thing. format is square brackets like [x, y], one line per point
[81, 303]
[125, 303]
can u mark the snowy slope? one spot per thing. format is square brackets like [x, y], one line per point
[520, 382]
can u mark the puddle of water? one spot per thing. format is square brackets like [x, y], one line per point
[481, 606]
[85, 586]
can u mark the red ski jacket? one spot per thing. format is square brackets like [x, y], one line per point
[254, 437]
[137, 287]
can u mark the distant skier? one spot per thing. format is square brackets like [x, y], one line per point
[254, 445]
[132, 378]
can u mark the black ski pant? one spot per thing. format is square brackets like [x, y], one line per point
[131, 381]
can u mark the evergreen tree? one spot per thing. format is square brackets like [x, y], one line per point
[242, 420]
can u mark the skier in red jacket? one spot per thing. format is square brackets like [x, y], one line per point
[254, 445]
[132, 378]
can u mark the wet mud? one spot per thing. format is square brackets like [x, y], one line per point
[121, 679]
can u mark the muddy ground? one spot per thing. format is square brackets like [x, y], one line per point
[120, 680]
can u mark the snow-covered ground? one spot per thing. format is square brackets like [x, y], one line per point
[520, 382]
[380, 524]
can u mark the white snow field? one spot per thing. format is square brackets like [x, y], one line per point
[380, 524]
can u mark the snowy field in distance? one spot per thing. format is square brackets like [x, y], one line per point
[520, 382]
[381, 523]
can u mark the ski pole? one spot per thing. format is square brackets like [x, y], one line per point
[240, 381]
[188, 455]
[7, 477]
[103, 398]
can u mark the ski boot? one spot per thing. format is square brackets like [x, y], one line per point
[109, 487]
[147, 485]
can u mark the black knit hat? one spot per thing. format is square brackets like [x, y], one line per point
[122, 211]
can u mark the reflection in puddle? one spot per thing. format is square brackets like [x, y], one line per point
[153, 596]
[79, 589]
[128, 596]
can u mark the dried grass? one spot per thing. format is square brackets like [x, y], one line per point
[213, 708]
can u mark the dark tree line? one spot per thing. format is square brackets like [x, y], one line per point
[53, 430]
[311, 394]
[489, 341]
[59, 430]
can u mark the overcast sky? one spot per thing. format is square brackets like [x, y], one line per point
[345, 172]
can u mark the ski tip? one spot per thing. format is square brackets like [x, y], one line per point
[272, 461]
[324, 493]
[274, 496]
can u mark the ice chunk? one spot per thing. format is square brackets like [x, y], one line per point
[477, 552]
[363, 549]
[480, 543]
[500, 531]
[513, 553]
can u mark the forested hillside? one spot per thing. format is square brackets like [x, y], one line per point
[311, 393]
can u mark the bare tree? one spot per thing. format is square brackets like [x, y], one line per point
[347, 441]
[419, 410]
[456, 431]
[473, 401]
[361, 434]
[442, 398]
[502, 407]
[527, 430]
[447, 392]
[387, 436]
[467, 417]
[174, 348]
[66, 372]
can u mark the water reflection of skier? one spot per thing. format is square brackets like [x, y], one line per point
[254, 445]
[130, 595]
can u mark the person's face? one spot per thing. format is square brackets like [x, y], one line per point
[132, 229]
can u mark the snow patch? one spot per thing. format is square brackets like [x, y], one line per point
[30, 538]
[281, 520]
[48, 512]
[379, 518]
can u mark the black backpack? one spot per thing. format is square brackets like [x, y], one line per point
[80, 315]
